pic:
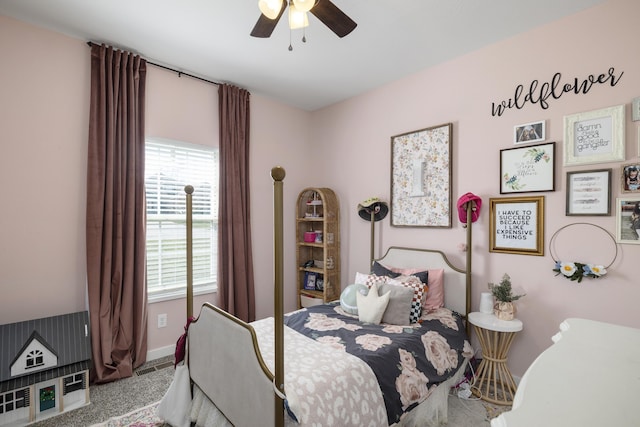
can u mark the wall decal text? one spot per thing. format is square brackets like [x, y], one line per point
[540, 93]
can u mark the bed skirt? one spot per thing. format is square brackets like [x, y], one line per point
[430, 413]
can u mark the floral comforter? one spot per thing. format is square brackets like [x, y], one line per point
[408, 361]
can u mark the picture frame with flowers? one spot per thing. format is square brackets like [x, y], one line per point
[528, 169]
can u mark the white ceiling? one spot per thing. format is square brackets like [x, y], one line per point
[210, 38]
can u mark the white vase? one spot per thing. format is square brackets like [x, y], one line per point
[486, 303]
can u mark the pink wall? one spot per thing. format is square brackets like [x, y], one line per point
[345, 146]
[44, 110]
[354, 137]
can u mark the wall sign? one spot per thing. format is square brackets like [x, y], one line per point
[594, 136]
[541, 93]
[516, 225]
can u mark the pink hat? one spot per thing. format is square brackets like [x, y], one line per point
[475, 207]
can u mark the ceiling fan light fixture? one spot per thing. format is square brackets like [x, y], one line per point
[270, 8]
[304, 5]
[297, 19]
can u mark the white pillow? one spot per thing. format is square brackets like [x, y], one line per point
[371, 307]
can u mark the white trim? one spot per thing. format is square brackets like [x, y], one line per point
[180, 293]
[158, 353]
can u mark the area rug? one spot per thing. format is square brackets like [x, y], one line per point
[462, 413]
[142, 417]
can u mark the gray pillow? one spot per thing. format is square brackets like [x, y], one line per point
[399, 308]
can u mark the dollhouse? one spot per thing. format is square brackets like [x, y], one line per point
[44, 367]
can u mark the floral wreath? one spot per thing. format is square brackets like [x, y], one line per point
[576, 271]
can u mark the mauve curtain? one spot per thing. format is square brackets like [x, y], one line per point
[116, 214]
[235, 261]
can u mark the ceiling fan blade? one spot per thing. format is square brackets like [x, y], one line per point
[265, 26]
[334, 18]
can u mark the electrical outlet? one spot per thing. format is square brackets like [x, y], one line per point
[162, 320]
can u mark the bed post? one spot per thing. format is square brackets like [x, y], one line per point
[278, 174]
[469, 252]
[189, 190]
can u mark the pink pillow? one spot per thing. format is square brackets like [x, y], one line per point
[434, 297]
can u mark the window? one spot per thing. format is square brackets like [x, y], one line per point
[169, 167]
[73, 383]
[35, 359]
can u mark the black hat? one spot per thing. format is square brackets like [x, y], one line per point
[373, 204]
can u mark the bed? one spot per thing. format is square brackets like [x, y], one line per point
[266, 373]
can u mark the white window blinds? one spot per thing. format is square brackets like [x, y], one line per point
[169, 167]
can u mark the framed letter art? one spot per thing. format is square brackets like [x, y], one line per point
[528, 169]
[421, 178]
[594, 137]
[516, 225]
[589, 192]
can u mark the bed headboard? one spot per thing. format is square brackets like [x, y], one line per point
[457, 282]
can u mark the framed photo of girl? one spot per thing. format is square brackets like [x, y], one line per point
[631, 178]
[628, 220]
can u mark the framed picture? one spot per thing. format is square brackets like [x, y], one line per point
[528, 169]
[421, 178]
[628, 220]
[630, 178]
[516, 225]
[589, 192]
[594, 137]
[529, 132]
[310, 281]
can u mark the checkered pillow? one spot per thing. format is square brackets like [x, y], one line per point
[370, 279]
[418, 288]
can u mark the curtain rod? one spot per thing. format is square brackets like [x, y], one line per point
[178, 72]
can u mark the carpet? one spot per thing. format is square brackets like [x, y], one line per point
[462, 413]
[143, 417]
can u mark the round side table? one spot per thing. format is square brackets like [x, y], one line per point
[494, 382]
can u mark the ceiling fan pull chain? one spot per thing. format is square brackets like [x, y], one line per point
[290, 46]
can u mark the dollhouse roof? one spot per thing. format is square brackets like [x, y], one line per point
[67, 336]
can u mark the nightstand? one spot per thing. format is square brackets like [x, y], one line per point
[494, 382]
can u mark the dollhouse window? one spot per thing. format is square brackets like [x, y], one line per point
[34, 359]
[14, 400]
[73, 383]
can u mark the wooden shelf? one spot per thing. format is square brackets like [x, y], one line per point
[327, 251]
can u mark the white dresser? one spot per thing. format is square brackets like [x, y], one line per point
[589, 377]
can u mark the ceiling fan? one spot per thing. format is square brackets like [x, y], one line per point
[327, 12]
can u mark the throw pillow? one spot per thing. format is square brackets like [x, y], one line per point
[369, 279]
[348, 300]
[372, 306]
[399, 308]
[380, 270]
[420, 273]
[418, 289]
[435, 296]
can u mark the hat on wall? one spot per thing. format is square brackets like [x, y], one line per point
[375, 205]
[475, 207]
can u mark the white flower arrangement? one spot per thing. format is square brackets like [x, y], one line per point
[576, 271]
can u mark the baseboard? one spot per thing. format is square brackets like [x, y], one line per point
[157, 353]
